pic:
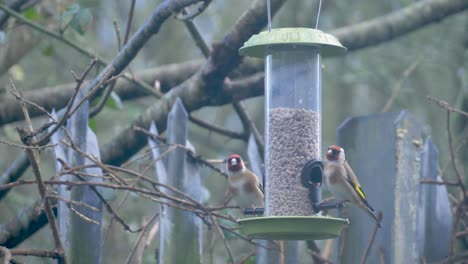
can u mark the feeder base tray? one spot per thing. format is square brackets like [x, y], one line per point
[292, 227]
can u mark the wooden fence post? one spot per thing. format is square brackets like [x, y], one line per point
[82, 238]
[180, 231]
[390, 153]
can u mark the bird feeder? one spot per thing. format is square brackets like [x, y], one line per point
[293, 93]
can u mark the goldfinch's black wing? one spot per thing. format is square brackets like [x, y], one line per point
[352, 180]
[260, 186]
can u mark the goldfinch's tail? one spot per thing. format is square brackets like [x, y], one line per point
[369, 212]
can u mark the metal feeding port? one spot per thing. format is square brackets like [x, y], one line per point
[293, 94]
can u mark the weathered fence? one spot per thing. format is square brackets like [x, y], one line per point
[180, 235]
[81, 234]
[390, 153]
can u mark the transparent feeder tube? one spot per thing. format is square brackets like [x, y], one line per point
[293, 127]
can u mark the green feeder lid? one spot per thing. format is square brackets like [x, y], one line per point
[292, 227]
[256, 46]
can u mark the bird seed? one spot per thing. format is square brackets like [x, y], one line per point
[294, 138]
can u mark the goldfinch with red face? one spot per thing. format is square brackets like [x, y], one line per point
[243, 185]
[341, 181]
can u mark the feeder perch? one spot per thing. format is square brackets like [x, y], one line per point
[293, 93]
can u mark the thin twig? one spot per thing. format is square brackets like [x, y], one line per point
[246, 258]
[459, 258]
[75, 46]
[314, 250]
[6, 254]
[36, 252]
[27, 147]
[102, 166]
[187, 17]
[24, 100]
[219, 130]
[69, 106]
[221, 234]
[245, 238]
[456, 219]
[14, 5]
[82, 216]
[462, 234]
[151, 234]
[138, 178]
[189, 152]
[33, 156]
[71, 202]
[109, 208]
[446, 106]
[381, 255]
[140, 237]
[102, 102]
[431, 181]
[399, 85]
[117, 35]
[454, 163]
[371, 239]
[196, 36]
[129, 22]
[205, 50]
[249, 125]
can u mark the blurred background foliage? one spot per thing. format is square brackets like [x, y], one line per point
[430, 61]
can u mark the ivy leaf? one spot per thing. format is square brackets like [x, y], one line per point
[92, 124]
[48, 51]
[31, 14]
[114, 101]
[67, 16]
[81, 21]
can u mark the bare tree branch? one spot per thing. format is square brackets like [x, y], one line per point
[33, 156]
[398, 23]
[24, 225]
[57, 97]
[204, 86]
[6, 255]
[371, 239]
[249, 125]
[14, 5]
[14, 171]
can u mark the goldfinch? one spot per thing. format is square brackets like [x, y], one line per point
[243, 185]
[341, 181]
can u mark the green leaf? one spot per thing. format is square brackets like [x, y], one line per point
[251, 260]
[67, 16]
[92, 124]
[114, 101]
[81, 21]
[31, 14]
[48, 51]
[2, 37]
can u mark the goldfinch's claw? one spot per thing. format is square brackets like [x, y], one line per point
[341, 204]
[253, 211]
[321, 206]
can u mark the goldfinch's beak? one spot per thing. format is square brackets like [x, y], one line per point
[330, 152]
[233, 162]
